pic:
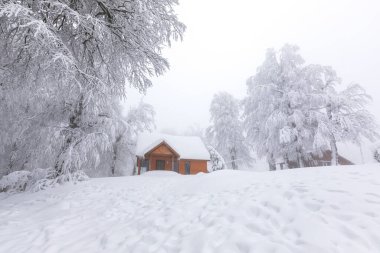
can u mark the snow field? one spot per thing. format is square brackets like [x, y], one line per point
[332, 209]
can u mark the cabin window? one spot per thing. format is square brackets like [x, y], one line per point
[187, 167]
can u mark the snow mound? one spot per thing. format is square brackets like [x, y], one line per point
[313, 210]
[15, 181]
[22, 180]
[160, 174]
[36, 180]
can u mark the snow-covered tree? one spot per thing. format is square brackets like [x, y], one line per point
[139, 119]
[226, 132]
[274, 113]
[338, 116]
[118, 158]
[63, 64]
[293, 109]
[217, 161]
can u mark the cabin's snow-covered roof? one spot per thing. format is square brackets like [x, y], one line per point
[355, 153]
[188, 147]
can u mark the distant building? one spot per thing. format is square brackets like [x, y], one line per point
[315, 161]
[182, 154]
[325, 160]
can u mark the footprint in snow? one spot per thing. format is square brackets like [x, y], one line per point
[103, 241]
[288, 195]
[300, 189]
[372, 201]
[373, 195]
[313, 206]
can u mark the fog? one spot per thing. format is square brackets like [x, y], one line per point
[226, 41]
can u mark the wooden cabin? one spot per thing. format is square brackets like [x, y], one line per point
[316, 161]
[325, 160]
[186, 155]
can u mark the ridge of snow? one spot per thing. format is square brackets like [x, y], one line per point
[320, 209]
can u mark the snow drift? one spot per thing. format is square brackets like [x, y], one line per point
[331, 209]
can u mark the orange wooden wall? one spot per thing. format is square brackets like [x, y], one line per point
[162, 150]
[196, 166]
[154, 158]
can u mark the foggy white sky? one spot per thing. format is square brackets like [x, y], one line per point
[226, 41]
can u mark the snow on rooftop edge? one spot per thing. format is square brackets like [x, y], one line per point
[188, 147]
[355, 153]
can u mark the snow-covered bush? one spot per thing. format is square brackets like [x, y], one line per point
[15, 181]
[36, 180]
[217, 161]
[376, 154]
[49, 181]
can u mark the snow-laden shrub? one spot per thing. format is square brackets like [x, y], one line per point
[15, 181]
[36, 180]
[376, 154]
[49, 181]
[217, 161]
[23, 180]
[76, 176]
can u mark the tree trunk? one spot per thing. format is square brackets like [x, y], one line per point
[334, 152]
[25, 162]
[114, 157]
[299, 158]
[59, 163]
[233, 164]
[271, 162]
[233, 158]
[12, 158]
[115, 153]
[286, 163]
[333, 147]
[74, 123]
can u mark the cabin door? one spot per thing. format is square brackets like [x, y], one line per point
[160, 165]
[187, 168]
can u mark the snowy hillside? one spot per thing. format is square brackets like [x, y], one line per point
[305, 210]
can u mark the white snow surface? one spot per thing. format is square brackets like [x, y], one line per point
[188, 147]
[313, 210]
